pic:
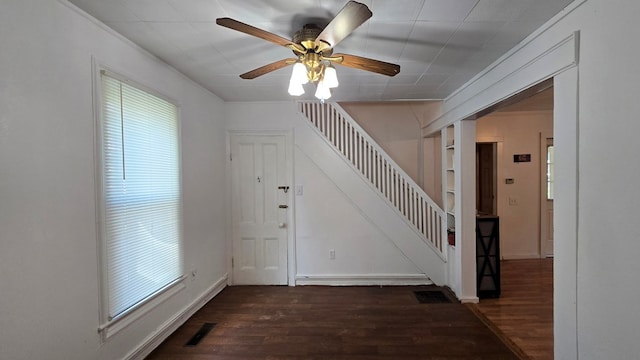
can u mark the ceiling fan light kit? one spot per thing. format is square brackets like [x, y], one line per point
[295, 88]
[330, 77]
[322, 91]
[324, 75]
[314, 50]
[299, 74]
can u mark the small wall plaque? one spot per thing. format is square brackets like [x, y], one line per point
[521, 158]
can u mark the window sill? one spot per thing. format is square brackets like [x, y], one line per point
[111, 328]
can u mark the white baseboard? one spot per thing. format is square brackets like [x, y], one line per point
[364, 280]
[520, 256]
[171, 325]
[469, 300]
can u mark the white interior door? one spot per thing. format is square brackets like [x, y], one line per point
[259, 209]
[546, 192]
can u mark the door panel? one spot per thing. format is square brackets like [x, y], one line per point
[271, 253]
[248, 257]
[270, 183]
[258, 167]
[247, 194]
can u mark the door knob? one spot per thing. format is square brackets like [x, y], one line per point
[282, 225]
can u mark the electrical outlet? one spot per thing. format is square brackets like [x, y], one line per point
[332, 254]
[513, 200]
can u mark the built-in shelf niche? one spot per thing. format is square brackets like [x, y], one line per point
[449, 176]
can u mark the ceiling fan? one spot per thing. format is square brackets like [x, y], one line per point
[313, 47]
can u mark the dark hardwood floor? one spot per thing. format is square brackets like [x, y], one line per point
[317, 322]
[524, 312]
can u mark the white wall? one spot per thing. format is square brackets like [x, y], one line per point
[608, 198]
[518, 133]
[396, 128]
[327, 220]
[49, 307]
[432, 165]
[595, 137]
[325, 217]
[48, 248]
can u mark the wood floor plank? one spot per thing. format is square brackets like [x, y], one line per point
[524, 312]
[316, 322]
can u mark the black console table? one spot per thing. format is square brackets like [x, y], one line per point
[488, 256]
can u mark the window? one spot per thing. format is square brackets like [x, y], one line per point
[141, 200]
[550, 171]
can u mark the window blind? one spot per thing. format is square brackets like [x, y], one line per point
[142, 198]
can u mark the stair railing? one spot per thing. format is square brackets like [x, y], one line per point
[378, 169]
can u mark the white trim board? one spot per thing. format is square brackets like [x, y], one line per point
[521, 257]
[364, 280]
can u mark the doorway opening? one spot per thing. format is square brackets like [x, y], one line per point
[486, 174]
[512, 172]
[519, 131]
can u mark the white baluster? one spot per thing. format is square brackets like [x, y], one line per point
[399, 189]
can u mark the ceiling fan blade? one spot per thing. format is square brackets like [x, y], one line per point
[268, 68]
[362, 63]
[254, 31]
[352, 15]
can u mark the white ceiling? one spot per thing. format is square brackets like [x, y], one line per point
[439, 44]
[542, 101]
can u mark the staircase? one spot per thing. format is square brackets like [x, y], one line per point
[420, 214]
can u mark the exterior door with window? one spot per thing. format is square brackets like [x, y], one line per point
[259, 209]
[546, 204]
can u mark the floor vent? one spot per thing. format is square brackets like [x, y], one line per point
[432, 297]
[204, 330]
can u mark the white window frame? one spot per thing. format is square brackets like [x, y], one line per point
[550, 169]
[110, 326]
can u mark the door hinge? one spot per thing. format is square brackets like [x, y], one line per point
[230, 157]
[232, 262]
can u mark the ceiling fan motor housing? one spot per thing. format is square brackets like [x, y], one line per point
[307, 38]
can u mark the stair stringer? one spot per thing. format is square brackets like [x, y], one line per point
[367, 200]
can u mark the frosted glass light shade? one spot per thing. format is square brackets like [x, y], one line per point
[295, 88]
[330, 77]
[299, 74]
[322, 92]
